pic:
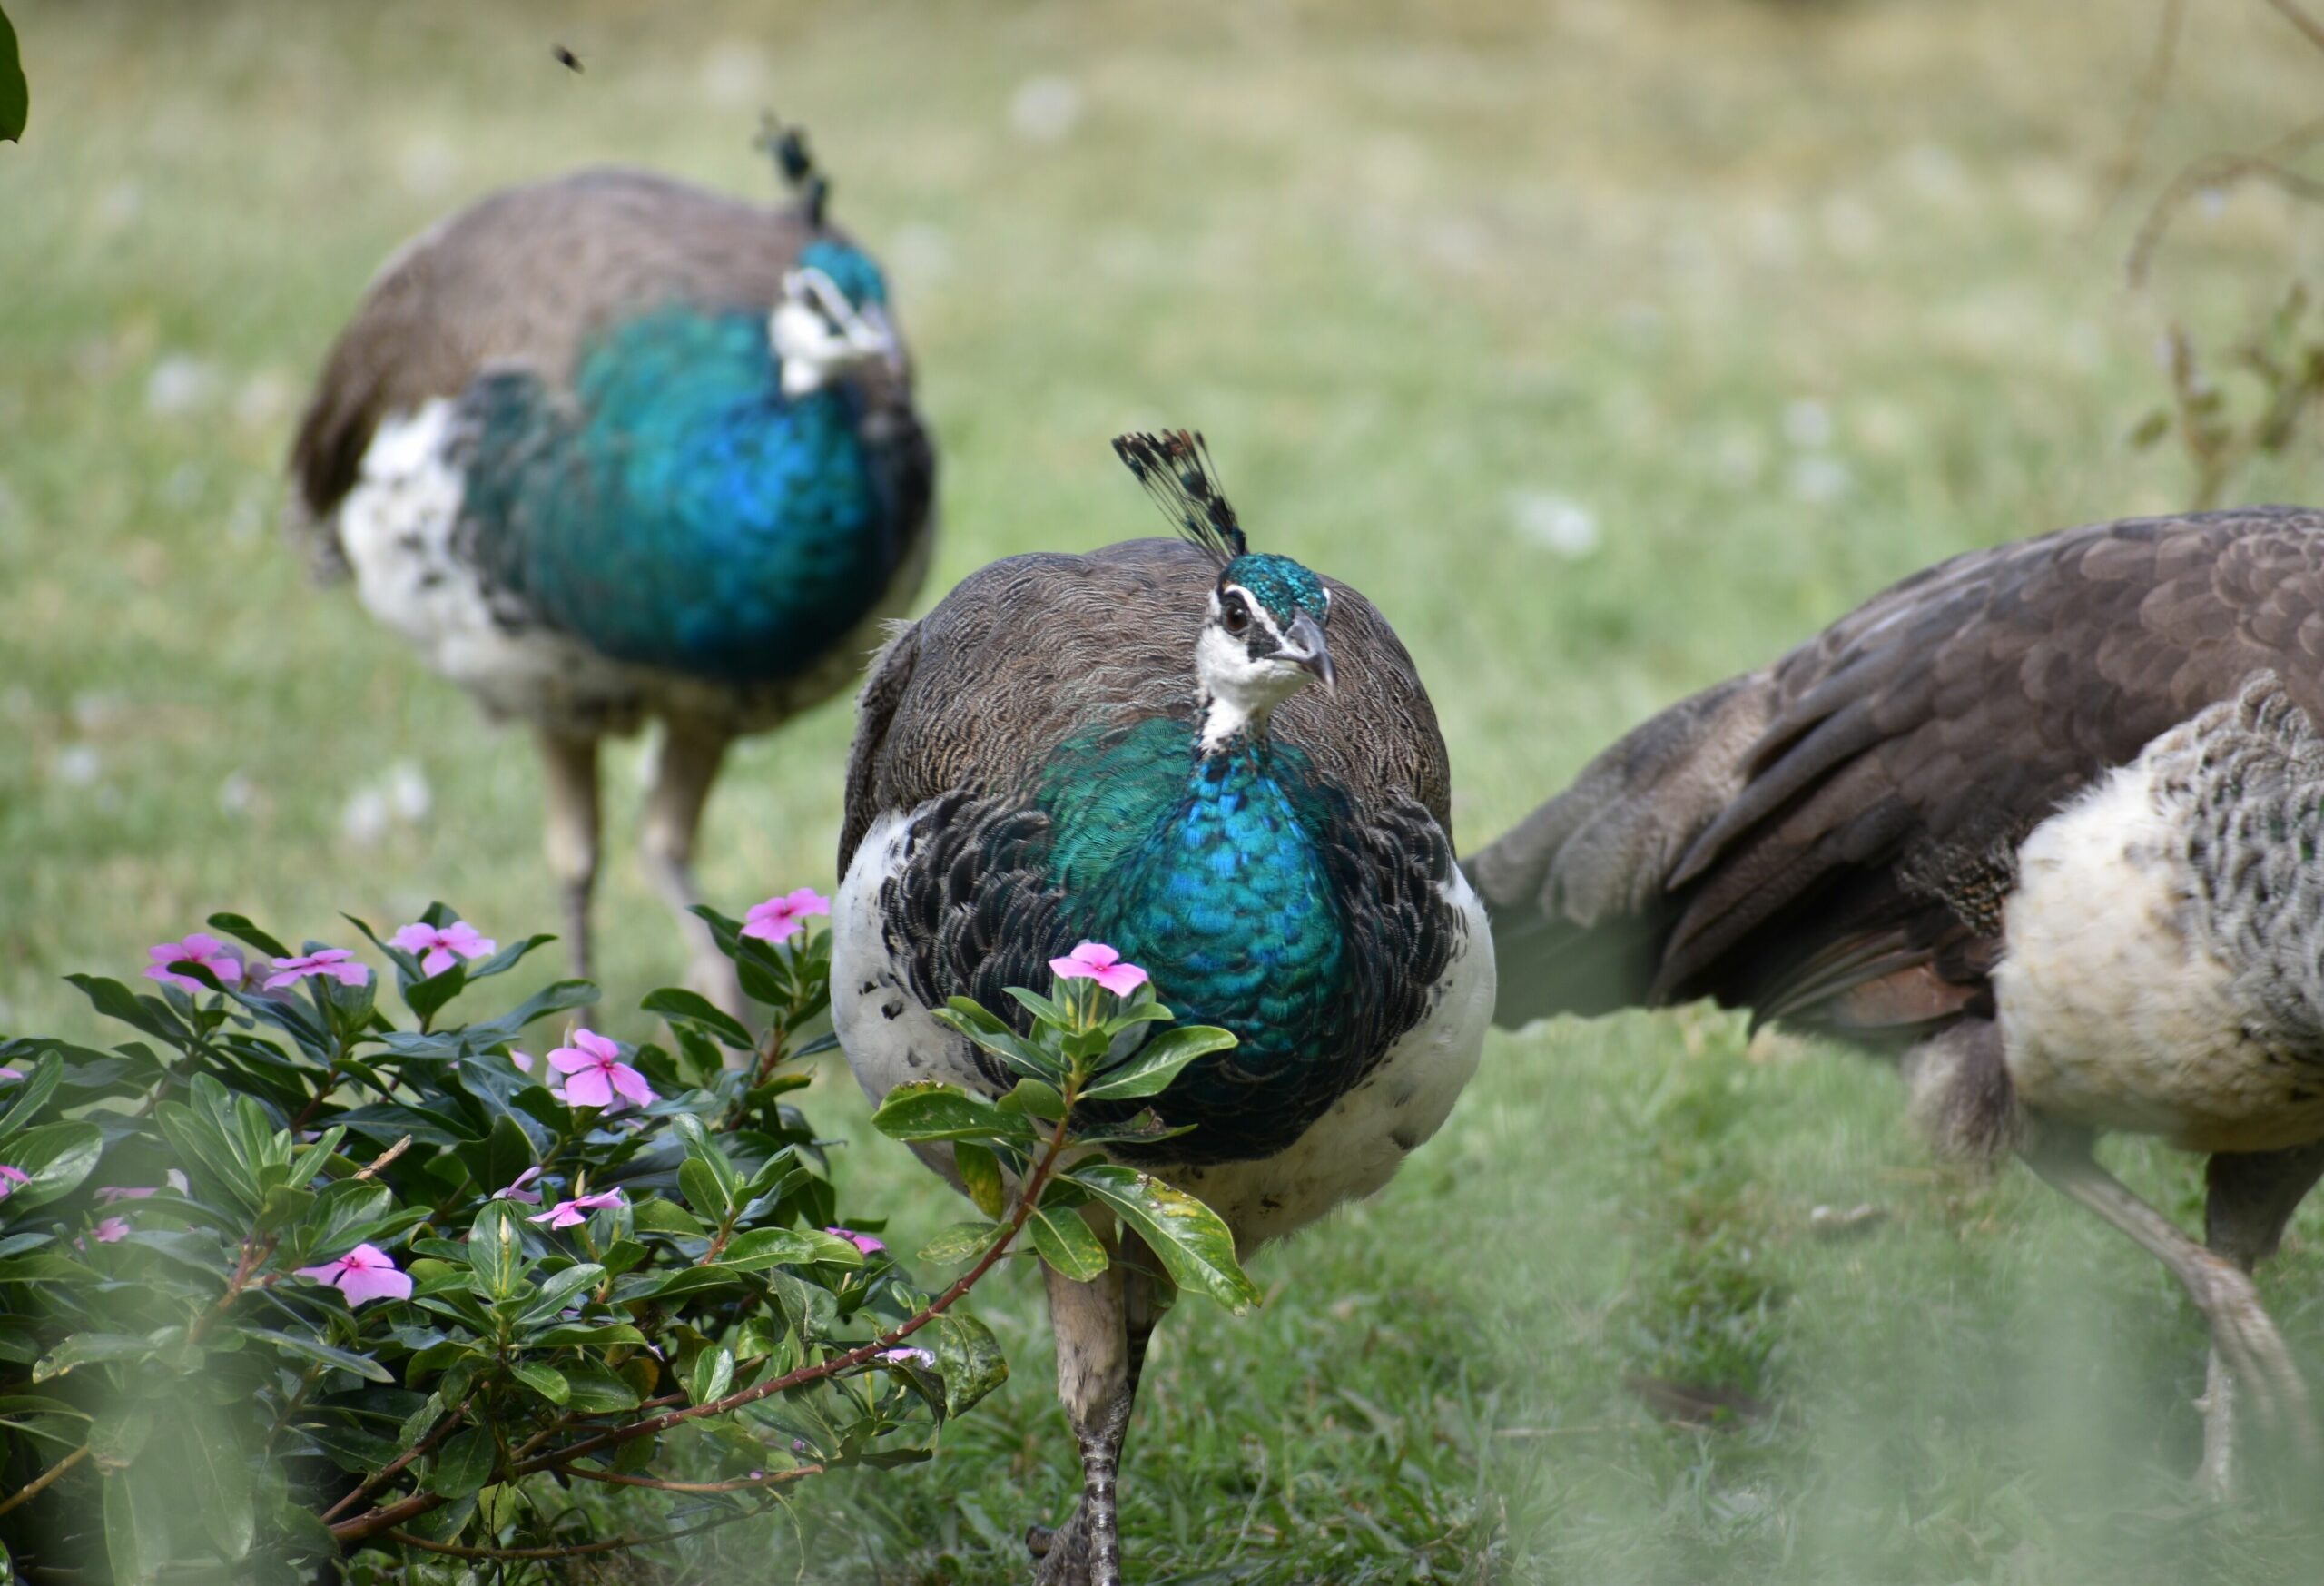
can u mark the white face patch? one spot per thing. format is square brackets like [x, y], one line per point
[1240, 690]
[817, 334]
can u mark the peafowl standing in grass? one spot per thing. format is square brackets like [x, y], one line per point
[2044, 819]
[1132, 747]
[609, 448]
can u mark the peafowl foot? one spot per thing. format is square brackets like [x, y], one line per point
[1063, 1554]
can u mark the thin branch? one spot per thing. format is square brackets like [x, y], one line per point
[578, 1549]
[388, 1472]
[2222, 171]
[2149, 106]
[42, 1481]
[741, 1483]
[395, 1515]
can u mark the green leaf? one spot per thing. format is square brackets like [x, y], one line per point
[463, 1464]
[120, 1432]
[86, 1349]
[703, 1189]
[712, 1374]
[927, 1110]
[497, 1251]
[961, 1242]
[1192, 1240]
[220, 1476]
[772, 1247]
[559, 1289]
[597, 1391]
[588, 1334]
[1037, 1098]
[137, 1532]
[1066, 1243]
[673, 1004]
[116, 1001]
[241, 929]
[316, 1349]
[980, 1172]
[970, 1358]
[426, 998]
[15, 96]
[57, 1157]
[31, 1094]
[986, 1029]
[657, 1216]
[546, 1381]
[1149, 1070]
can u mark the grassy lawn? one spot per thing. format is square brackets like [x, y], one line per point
[1610, 345]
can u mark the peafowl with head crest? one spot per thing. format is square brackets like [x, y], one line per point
[1224, 767]
[609, 448]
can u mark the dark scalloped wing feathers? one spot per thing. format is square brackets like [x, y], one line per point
[1827, 839]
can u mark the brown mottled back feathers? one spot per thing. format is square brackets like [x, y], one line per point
[524, 276]
[1827, 839]
[1030, 649]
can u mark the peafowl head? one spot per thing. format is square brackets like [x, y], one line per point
[832, 318]
[1263, 639]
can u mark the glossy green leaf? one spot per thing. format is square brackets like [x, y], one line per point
[497, 1251]
[137, 1531]
[980, 1172]
[220, 1474]
[929, 1110]
[970, 1358]
[959, 1243]
[545, 1380]
[1066, 1243]
[1150, 1070]
[597, 1391]
[770, 1248]
[56, 1156]
[1193, 1241]
[462, 1464]
[674, 1003]
[712, 1374]
[362, 1365]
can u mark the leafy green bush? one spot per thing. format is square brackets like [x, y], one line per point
[281, 1282]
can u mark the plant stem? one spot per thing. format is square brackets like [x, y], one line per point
[1029, 1197]
[42, 1481]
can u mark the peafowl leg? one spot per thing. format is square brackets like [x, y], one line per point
[685, 765]
[1094, 1380]
[1141, 1308]
[570, 773]
[2242, 1332]
[2252, 1198]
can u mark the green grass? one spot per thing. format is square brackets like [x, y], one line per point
[1788, 298]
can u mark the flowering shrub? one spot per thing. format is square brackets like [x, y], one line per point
[283, 1281]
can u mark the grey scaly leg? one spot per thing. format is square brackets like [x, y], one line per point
[1094, 1379]
[1141, 1309]
[685, 765]
[2241, 1331]
[569, 778]
[2252, 1198]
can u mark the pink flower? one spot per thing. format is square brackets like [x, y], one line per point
[524, 1060]
[1094, 960]
[593, 1070]
[516, 1190]
[777, 919]
[908, 1355]
[334, 962]
[10, 1178]
[111, 1230]
[224, 964]
[863, 1241]
[440, 947]
[565, 1214]
[364, 1273]
[118, 1192]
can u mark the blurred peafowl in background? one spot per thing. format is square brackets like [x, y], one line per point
[1131, 746]
[609, 448]
[2043, 820]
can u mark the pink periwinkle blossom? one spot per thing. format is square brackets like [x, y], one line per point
[524, 1060]
[594, 1071]
[9, 1076]
[863, 1241]
[224, 964]
[517, 1189]
[779, 919]
[111, 1230]
[332, 962]
[1094, 960]
[365, 1273]
[908, 1355]
[565, 1214]
[439, 946]
[10, 1178]
[112, 1193]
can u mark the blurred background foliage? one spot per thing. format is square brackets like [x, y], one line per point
[1610, 345]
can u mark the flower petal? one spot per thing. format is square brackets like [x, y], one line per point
[1121, 979]
[588, 1088]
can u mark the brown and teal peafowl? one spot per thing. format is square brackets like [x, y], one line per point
[2045, 820]
[610, 447]
[1225, 767]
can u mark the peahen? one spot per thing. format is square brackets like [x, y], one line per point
[2045, 820]
[609, 448]
[1130, 745]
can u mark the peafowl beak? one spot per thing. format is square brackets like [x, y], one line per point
[1303, 647]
